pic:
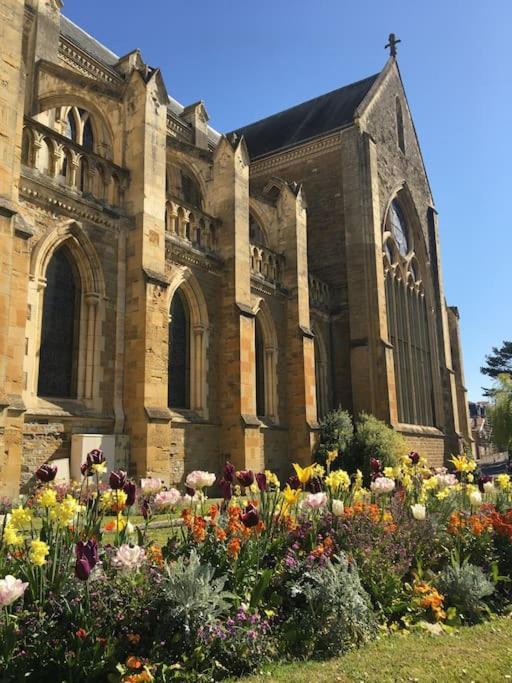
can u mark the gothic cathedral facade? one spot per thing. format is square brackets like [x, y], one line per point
[196, 296]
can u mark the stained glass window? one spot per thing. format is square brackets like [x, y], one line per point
[178, 371]
[398, 227]
[59, 330]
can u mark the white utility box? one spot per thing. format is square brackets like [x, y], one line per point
[62, 470]
[81, 444]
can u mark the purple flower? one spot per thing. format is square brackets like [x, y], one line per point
[226, 488]
[375, 465]
[293, 482]
[190, 491]
[229, 472]
[250, 517]
[117, 479]
[86, 470]
[144, 508]
[130, 489]
[82, 569]
[314, 485]
[86, 558]
[46, 472]
[261, 480]
[95, 457]
[414, 457]
[89, 550]
[245, 477]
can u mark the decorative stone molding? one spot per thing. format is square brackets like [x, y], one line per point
[284, 157]
[71, 55]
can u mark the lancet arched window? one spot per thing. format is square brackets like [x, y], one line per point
[256, 232]
[60, 328]
[179, 353]
[183, 186]
[408, 321]
[400, 125]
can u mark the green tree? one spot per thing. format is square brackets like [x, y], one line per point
[500, 413]
[498, 362]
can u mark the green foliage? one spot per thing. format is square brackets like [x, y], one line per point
[194, 595]
[328, 611]
[336, 433]
[464, 587]
[500, 414]
[498, 362]
[375, 439]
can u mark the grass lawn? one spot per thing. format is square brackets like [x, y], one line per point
[482, 654]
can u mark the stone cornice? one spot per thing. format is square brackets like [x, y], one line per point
[54, 201]
[282, 158]
[79, 60]
[189, 256]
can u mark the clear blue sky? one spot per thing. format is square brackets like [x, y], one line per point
[248, 59]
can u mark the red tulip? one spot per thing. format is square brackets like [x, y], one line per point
[117, 479]
[245, 477]
[130, 489]
[250, 517]
[46, 472]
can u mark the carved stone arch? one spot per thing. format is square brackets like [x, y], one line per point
[270, 347]
[90, 310]
[191, 168]
[81, 247]
[100, 122]
[262, 220]
[186, 282]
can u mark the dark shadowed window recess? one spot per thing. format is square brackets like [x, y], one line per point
[190, 191]
[256, 234]
[260, 370]
[179, 369]
[400, 126]
[59, 330]
[88, 137]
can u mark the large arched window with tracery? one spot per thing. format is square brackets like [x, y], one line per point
[60, 328]
[179, 353]
[408, 321]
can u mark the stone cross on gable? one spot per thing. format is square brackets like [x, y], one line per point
[393, 42]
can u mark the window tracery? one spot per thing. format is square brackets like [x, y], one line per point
[408, 324]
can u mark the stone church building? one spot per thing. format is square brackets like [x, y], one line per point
[195, 296]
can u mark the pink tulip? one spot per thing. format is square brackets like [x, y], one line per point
[10, 590]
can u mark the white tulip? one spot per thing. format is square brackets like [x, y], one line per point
[337, 508]
[419, 511]
[489, 487]
[475, 498]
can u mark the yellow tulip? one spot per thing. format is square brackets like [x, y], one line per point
[463, 464]
[304, 474]
[291, 496]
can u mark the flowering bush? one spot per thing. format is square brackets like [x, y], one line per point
[307, 569]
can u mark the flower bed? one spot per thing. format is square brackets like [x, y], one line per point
[308, 570]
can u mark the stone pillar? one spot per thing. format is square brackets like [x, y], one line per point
[43, 42]
[446, 395]
[371, 354]
[240, 433]
[301, 412]
[458, 368]
[146, 319]
[13, 247]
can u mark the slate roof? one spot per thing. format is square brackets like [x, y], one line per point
[102, 54]
[86, 42]
[307, 120]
